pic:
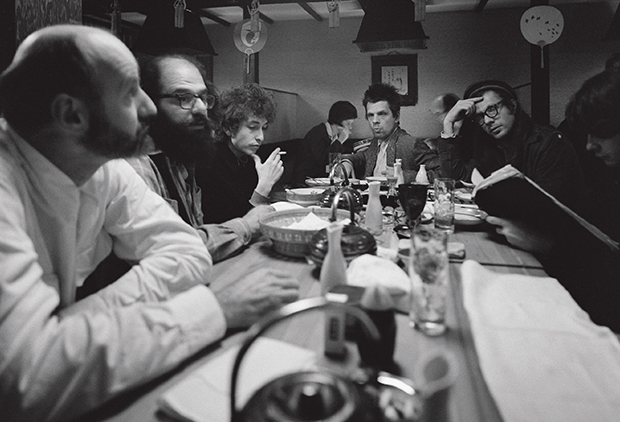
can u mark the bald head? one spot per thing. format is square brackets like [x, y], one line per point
[60, 59]
[442, 104]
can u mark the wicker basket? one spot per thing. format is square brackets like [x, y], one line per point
[293, 242]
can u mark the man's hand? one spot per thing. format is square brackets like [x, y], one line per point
[253, 216]
[522, 235]
[462, 109]
[269, 172]
[255, 295]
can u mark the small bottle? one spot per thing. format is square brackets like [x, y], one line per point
[398, 172]
[421, 177]
[374, 210]
[334, 267]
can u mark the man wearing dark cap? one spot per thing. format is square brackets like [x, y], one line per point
[326, 138]
[504, 134]
[589, 270]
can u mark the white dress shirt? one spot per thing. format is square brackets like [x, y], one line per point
[58, 357]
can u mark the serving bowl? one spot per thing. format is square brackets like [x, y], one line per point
[304, 196]
[294, 242]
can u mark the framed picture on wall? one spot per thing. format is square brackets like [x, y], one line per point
[400, 71]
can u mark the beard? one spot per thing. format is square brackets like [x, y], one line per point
[107, 140]
[181, 144]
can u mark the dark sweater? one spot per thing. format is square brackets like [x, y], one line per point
[227, 185]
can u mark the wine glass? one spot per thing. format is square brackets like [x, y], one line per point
[412, 197]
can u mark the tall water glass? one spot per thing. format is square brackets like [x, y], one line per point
[444, 204]
[429, 272]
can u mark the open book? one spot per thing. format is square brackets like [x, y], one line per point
[508, 193]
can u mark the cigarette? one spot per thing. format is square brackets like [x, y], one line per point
[282, 152]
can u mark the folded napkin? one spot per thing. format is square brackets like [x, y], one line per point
[204, 395]
[388, 283]
[540, 355]
[284, 205]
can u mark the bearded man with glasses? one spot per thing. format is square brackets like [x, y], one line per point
[503, 134]
[182, 133]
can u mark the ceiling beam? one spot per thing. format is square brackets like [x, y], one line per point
[310, 11]
[106, 20]
[481, 5]
[213, 17]
[265, 18]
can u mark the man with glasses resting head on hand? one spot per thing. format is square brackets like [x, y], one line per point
[504, 134]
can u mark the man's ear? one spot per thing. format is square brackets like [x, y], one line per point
[512, 105]
[69, 112]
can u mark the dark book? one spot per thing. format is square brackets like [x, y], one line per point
[508, 193]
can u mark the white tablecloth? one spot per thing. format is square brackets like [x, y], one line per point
[540, 355]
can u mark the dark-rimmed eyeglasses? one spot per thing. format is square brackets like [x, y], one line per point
[188, 100]
[491, 112]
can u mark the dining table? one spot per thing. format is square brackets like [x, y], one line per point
[469, 398]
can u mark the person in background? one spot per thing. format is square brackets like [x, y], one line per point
[382, 105]
[589, 271]
[183, 136]
[442, 104]
[236, 180]
[67, 203]
[504, 134]
[326, 138]
[439, 108]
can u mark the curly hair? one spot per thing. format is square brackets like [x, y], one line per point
[240, 103]
[596, 105]
[383, 92]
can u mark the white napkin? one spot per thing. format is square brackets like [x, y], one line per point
[541, 356]
[369, 270]
[284, 205]
[204, 395]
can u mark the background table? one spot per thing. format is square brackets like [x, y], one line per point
[469, 400]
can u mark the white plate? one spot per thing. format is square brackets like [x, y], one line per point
[307, 191]
[376, 179]
[468, 216]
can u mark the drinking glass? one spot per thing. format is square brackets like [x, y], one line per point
[444, 204]
[429, 274]
[412, 197]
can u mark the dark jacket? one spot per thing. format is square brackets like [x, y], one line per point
[227, 185]
[412, 151]
[315, 156]
[540, 152]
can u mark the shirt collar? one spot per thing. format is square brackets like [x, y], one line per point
[330, 132]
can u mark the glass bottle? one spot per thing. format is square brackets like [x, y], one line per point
[398, 172]
[374, 210]
[334, 267]
[421, 177]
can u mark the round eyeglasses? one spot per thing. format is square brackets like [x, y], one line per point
[491, 112]
[188, 100]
